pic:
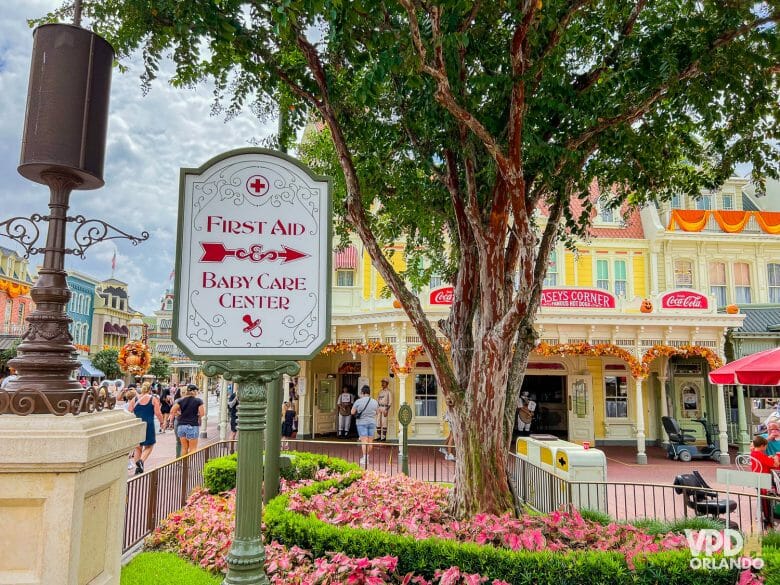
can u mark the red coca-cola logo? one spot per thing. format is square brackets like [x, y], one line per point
[442, 296]
[684, 300]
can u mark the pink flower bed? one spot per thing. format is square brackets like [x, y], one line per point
[201, 532]
[418, 509]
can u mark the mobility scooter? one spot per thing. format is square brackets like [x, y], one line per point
[681, 445]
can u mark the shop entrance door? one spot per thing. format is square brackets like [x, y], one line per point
[580, 408]
[549, 393]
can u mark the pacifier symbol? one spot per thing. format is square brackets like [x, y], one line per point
[252, 326]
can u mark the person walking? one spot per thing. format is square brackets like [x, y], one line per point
[146, 407]
[288, 424]
[166, 403]
[233, 413]
[385, 400]
[365, 409]
[190, 411]
[344, 405]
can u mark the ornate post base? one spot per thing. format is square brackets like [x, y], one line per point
[246, 557]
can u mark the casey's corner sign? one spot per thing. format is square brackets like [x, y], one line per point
[253, 258]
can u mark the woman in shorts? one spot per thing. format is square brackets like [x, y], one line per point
[190, 411]
[365, 409]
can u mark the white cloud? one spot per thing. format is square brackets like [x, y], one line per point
[149, 139]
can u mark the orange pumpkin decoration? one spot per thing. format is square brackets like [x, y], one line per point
[732, 309]
[133, 359]
[646, 306]
[396, 304]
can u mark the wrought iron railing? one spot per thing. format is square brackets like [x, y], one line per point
[155, 494]
[160, 491]
[629, 501]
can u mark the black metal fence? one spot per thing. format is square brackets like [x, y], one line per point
[157, 493]
[160, 491]
[624, 501]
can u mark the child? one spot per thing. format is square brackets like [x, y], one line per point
[760, 462]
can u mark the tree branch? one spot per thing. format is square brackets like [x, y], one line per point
[555, 37]
[357, 213]
[444, 93]
[693, 70]
[586, 81]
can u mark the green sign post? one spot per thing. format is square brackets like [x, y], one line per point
[252, 297]
[405, 418]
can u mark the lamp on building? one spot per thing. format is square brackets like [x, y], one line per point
[136, 327]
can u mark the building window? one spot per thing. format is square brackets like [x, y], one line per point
[773, 278]
[621, 280]
[704, 202]
[551, 278]
[683, 274]
[742, 283]
[718, 282]
[606, 213]
[426, 395]
[676, 201]
[728, 202]
[345, 278]
[8, 308]
[22, 308]
[602, 274]
[113, 302]
[436, 281]
[616, 396]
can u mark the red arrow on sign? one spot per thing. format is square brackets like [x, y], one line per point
[216, 252]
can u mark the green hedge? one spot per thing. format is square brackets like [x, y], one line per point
[219, 475]
[425, 556]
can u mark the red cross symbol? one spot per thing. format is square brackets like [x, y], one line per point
[257, 185]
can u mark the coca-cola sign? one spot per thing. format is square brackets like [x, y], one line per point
[442, 296]
[577, 298]
[684, 299]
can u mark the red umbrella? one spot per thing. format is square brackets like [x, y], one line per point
[759, 369]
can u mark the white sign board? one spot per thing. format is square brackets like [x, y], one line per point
[253, 258]
[744, 478]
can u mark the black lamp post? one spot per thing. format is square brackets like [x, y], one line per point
[63, 147]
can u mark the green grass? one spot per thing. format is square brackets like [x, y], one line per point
[160, 568]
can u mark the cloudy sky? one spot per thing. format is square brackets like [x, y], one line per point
[149, 139]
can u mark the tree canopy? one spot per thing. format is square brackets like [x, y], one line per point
[159, 367]
[468, 130]
[107, 361]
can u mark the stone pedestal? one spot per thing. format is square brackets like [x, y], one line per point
[63, 481]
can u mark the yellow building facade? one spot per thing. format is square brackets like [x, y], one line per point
[622, 342]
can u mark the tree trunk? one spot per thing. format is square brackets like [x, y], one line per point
[481, 482]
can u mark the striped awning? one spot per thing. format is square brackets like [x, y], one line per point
[346, 258]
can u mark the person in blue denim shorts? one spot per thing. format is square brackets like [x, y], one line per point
[365, 409]
[190, 411]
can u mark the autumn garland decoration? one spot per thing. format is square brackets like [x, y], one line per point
[685, 351]
[638, 370]
[135, 358]
[363, 348]
[384, 348]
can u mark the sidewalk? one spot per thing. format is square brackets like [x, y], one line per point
[165, 448]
